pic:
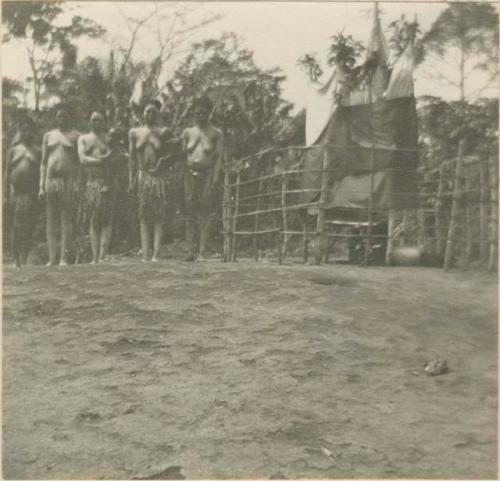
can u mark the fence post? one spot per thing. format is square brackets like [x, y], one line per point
[305, 251]
[438, 204]
[368, 247]
[256, 222]
[284, 213]
[226, 212]
[483, 211]
[468, 216]
[453, 228]
[493, 255]
[320, 221]
[234, 243]
[391, 220]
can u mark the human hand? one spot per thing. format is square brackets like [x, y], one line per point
[41, 194]
[106, 156]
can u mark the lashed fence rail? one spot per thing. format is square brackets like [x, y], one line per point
[258, 188]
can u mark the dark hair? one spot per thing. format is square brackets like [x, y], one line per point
[155, 103]
[61, 107]
[26, 121]
[98, 112]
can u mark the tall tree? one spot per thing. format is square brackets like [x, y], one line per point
[249, 105]
[157, 32]
[49, 45]
[466, 33]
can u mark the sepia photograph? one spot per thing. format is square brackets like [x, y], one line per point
[249, 240]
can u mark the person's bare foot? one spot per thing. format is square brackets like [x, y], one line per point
[63, 263]
[94, 262]
[50, 264]
[154, 259]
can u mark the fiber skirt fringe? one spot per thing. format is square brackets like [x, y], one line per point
[153, 196]
[97, 206]
[64, 192]
[24, 210]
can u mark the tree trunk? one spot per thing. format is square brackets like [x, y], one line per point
[462, 70]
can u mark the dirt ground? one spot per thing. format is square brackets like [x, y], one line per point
[247, 370]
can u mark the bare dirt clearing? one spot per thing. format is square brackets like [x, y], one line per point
[246, 370]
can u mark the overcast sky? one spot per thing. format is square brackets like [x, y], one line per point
[278, 33]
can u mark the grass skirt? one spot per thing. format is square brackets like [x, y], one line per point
[64, 192]
[98, 206]
[153, 196]
[24, 211]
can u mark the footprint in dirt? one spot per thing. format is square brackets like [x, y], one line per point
[172, 472]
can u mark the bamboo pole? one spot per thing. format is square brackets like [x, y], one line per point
[438, 205]
[320, 220]
[420, 229]
[468, 217]
[256, 224]
[493, 254]
[453, 227]
[368, 246]
[483, 211]
[284, 213]
[391, 221]
[305, 252]
[226, 212]
[235, 217]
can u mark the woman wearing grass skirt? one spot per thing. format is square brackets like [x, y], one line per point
[100, 192]
[148, 179]
[60, 183]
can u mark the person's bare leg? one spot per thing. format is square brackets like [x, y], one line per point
[205, 224]
[52, 216]
[190, 230]
[158, 236]
[94, 241]
[27, 235]
[144, 240]
[66, 234]
[105, 241]
[16, 243]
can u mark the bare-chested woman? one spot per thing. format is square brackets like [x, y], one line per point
[59, 183]
[147, 169]
[21, 186]
[204, 146]
[95, 157]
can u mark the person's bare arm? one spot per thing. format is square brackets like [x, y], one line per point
[8, 170]
[132, 160]
[43, 167]
[85, 158]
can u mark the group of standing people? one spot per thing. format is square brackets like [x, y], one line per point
[56, 172]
